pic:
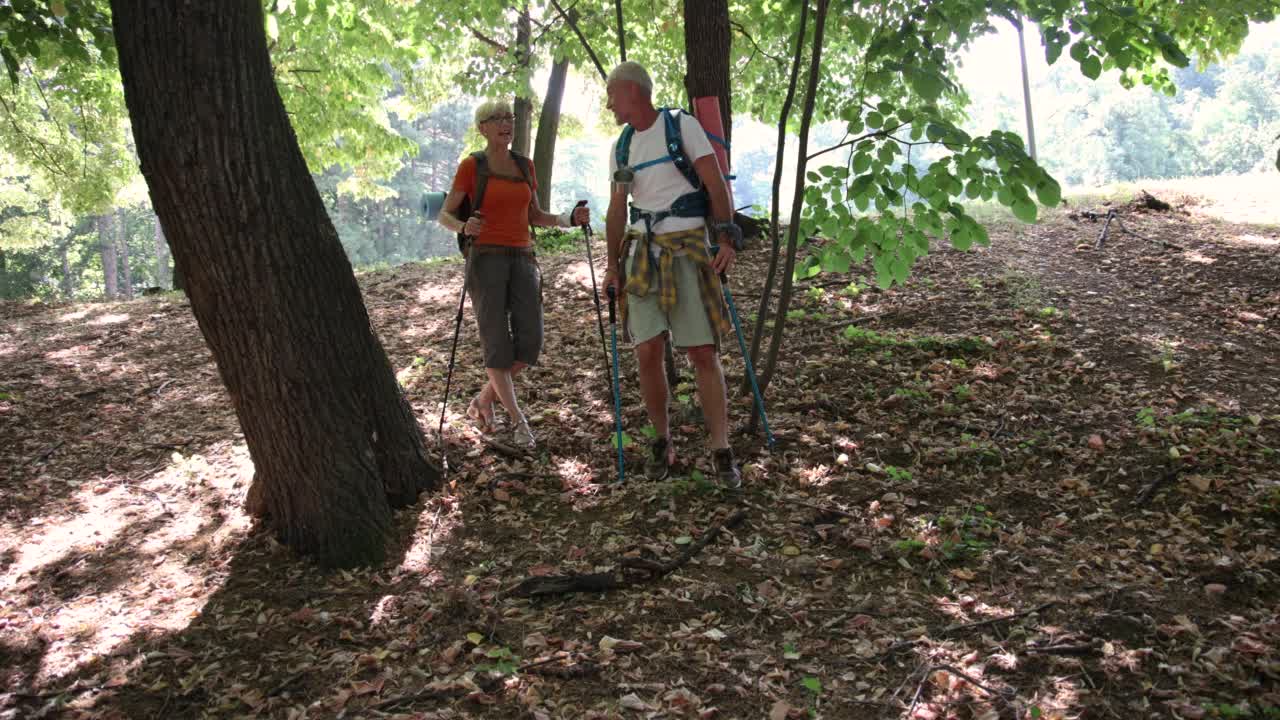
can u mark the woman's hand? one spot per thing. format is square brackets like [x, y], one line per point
[474, 225]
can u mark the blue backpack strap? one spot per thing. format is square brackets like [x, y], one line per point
[622, 152]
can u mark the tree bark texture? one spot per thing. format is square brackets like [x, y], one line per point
[797, 202]
[523, 108]
[544, 147]
[122, 243]
[334, 443]
[775, 238]
[107, 246]
[707, 48]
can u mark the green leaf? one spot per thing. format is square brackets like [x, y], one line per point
[812, 684]
[683, 540]
[1174, 55]
[875, 120]
[1024, 210]
[1049, 192]
[1091, 67]
[1079, 51]
[626, 440]
[475, 638]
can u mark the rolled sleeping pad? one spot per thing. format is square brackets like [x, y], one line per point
[707, 112]
[432, 203]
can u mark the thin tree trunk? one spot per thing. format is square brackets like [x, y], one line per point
[162, 257]
[122, 240]
[107, 245]
[775, 234]
[544, 147]
[708, 45]
[523, 109]
[622, 36]
[67, 286]
[334, 443]
[797, 202]
[1026, 91]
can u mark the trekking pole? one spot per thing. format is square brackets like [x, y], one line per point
[453, 352]
[617, 394]
[595, 291]
[746, 354]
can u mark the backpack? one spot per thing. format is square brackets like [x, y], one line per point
[693, 204]
[467, 208]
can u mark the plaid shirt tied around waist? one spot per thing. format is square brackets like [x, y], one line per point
[645, 278]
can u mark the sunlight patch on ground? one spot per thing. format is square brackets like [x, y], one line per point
[73, 316]
[579, 273]
[109, 319]
[1251, 240]
[131, 563]
[438, 292]
[1196, 256]
[435, 524]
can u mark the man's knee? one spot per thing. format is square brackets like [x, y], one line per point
[650, 352]
[704, 357]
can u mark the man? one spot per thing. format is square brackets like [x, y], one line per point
[671, 284]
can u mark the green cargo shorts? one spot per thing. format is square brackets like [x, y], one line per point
[687, 322]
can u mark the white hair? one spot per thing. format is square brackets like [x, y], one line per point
[633, 72]
[489, 108]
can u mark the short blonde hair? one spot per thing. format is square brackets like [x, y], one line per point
[489, 108]
[632, 72]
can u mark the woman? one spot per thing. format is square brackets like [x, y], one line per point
[504, 279]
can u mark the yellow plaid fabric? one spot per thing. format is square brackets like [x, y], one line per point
[646, 279]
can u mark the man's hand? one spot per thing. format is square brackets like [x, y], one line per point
[724, 259]
[580, 215]
[611, 280]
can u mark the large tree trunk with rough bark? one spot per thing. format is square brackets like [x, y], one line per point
[708, 44]
[107, 246]
[544, 147]
[334, 443]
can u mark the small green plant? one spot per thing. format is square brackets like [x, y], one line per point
[559, 240]
[627, 441]
[816, 294]
[897, 474]
[504, 662]
[795, 314]
[1146, 418]
[1049, 311]
[963, 393]
[909, 546]
[959, 363]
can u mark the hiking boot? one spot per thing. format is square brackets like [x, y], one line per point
[657, 467]
[727, 469]
[522, 436]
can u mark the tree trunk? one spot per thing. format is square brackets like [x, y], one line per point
[107, 246]
[544, 148]
[67, 286]
[523, 109]
[334, 443]
[162, 257]
[1026, 91]
[122, 242]
[797, 202]
[707, 48]
[775, 236]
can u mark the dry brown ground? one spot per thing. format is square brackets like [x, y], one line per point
[1041, 480]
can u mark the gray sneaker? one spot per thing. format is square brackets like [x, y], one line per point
[522, 436]
[727, 469]
[656, 467]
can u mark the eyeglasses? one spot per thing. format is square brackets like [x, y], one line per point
[499, 118]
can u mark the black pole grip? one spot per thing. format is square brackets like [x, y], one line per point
[613, 297]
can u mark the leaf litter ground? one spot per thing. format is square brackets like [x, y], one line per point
[1040, 480]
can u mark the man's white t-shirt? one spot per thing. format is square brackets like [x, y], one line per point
[656, 187]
